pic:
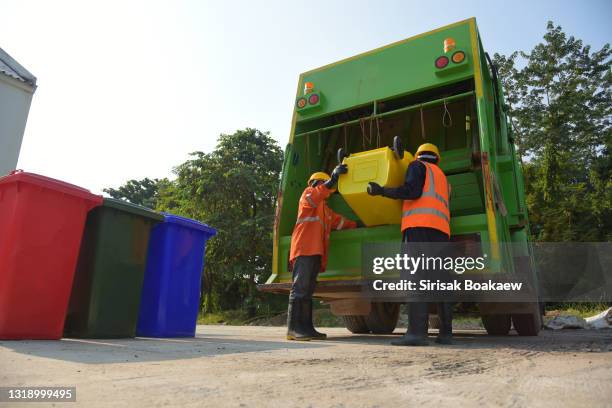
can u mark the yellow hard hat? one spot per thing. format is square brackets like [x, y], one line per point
[319, 175]
[427, 147]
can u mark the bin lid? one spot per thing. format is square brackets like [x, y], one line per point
[132, 208]
[20, 176]
[189, 223]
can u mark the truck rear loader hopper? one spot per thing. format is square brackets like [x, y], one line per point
[438, 87]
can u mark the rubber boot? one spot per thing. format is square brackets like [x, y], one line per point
[309, 322]
[445, 313]
[416, 335]
[296, 329]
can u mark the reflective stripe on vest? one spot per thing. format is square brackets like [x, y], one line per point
[340, 224]
[432, 189]
[308, 219]
[432, 211]
[309, 199]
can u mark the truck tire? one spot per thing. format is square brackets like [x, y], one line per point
[527, 324]
[383, 317]
[356, 324]
[497, 325]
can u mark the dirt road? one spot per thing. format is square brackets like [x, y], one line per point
[254, 366]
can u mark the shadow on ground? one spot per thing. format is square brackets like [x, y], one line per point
[141, 349]
[560, 341]
[249, 339]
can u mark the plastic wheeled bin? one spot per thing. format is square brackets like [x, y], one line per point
[383, 167]
[41, 225]
[171, 291]
[110, 271]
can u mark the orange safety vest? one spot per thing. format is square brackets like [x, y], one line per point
[314, 224]
[431, 210]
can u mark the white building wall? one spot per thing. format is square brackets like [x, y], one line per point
[15, 100]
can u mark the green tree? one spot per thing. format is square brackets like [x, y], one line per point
[559, 98]
[232, 189]
[142, 192]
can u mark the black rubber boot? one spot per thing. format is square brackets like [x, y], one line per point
[418, 314]
[309, 322]
[296, 328]
[445, 313]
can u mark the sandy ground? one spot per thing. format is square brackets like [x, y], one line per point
[254, 366]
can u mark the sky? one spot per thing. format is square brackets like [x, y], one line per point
[127, 89]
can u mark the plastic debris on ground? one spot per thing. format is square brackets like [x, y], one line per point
[601, 321]
[566, 322]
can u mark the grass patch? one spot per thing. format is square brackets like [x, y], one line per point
[323, 317]
[576, 309]
[467, 322]
[229, 317]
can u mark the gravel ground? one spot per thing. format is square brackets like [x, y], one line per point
[244, 366]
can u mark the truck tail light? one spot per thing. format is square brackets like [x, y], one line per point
[313, 99]
[308, 88]
[449, 44]
[458, 57]
[441, 62]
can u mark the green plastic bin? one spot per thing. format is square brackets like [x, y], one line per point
[108, 281]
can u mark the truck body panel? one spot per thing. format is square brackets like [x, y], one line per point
[399, 90]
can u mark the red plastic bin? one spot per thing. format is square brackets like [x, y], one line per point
[41, 225]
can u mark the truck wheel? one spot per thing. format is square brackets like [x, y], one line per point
[496, 325]
[527, 324]
[383, 317]
[356, 324]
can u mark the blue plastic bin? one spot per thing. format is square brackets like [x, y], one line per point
[171, 289]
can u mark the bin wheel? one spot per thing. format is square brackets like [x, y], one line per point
[383, 317]
[527, 324]
[356, 324]
[497, 325]
[397, 148]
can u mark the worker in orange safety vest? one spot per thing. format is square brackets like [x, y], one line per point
[425, 219]
[309, 249]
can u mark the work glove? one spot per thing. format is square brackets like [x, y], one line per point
[340, 169]
[375, 189]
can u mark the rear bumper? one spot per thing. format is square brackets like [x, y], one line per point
[328, 289]
[337, 291]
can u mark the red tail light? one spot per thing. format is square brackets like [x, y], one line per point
[441, 62]
[313, 99]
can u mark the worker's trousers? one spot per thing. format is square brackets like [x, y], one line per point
[305, 271]
[417, 243]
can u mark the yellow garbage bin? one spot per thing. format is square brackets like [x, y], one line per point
[380, 166]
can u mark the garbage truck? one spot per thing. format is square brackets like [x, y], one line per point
[439, 87]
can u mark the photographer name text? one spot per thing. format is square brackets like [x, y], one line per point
[453, 285]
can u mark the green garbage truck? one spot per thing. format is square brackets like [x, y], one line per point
[438, 87]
